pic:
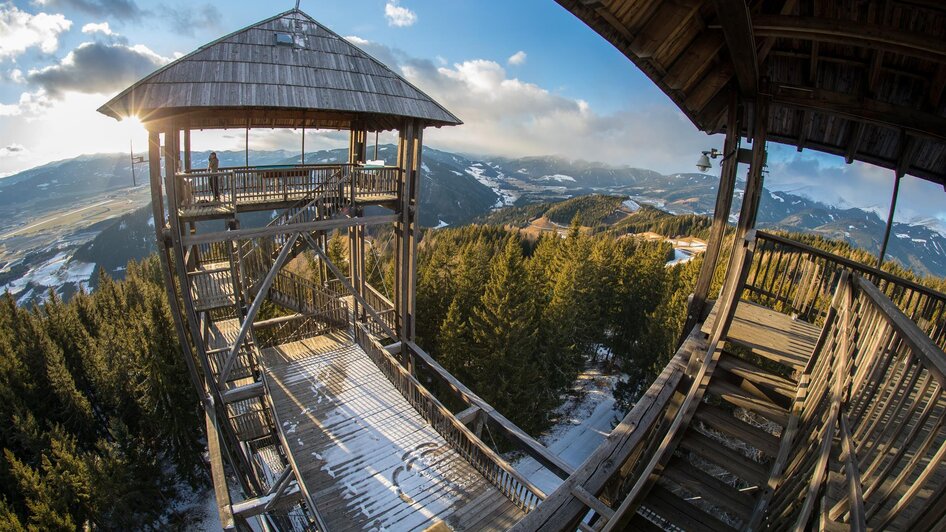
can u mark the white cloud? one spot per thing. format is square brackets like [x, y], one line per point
[827, 178]
[506, 116]
[31, 104]
[20, 31]
[101, 27]
[398, 15]
[97, 67]
[13, 150]
[517, 58]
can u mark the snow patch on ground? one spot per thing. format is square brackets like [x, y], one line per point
[54, 273]
[584, 421]
[506, 197]
[561, 178]
[679, 257]
[902, 235]
[441, 224]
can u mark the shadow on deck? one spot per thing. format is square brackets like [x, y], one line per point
[368, 459]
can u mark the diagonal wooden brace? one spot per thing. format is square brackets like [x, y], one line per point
[348, 286]
[254, 309]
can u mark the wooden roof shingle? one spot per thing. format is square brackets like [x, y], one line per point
[319, 75]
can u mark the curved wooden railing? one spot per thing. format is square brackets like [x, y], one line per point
[496, 470]
[248, 186]
[866, 442]
[796, 278]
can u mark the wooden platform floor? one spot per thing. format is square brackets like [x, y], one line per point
[368, 459]
[770, 334]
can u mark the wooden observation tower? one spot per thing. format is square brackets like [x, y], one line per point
[808, 395]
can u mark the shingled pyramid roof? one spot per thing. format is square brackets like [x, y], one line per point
[288, 62]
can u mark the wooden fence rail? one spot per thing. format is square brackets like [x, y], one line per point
[496, 470]
[278, 184]
[866, 441]
[795, 278]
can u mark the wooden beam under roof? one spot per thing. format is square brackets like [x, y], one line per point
[740, 41]
[863, 110]
[849, 32]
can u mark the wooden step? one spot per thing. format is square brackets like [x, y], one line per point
[722, 420]
[736, 396]
[716, 492]
[640, 523]
[681, 513]
[760, 382]
[751, 472]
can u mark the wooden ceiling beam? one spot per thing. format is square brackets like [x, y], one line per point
[849, 32]
[804, 129]
[862, 109]
[853, 140]
[788, 8]
[740, 41]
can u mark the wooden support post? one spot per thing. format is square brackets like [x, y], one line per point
[157, 211]
[409, 161]
[750, 198]
[724, 197]
[238, 459]
[187, 150]
[893, 208]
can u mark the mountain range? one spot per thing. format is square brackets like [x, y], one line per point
[455, 189]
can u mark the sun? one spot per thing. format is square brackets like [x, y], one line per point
[131, 126]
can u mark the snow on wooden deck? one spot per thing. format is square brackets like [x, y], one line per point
[368, 459]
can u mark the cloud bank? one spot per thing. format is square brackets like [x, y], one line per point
[97, 67]
[20, 31]
[506, 116]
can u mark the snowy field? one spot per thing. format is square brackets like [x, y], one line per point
[584, 421]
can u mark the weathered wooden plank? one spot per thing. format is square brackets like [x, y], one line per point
[355, 437]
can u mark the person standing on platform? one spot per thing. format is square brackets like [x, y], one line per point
[213, 164]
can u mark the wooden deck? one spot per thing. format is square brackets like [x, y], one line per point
[367, 458]
[770, 334]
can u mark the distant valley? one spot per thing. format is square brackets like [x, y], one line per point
[65, 221]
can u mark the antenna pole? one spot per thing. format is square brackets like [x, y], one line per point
[297, 5]
[131, 149]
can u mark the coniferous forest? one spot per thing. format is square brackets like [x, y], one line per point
[101, 425]
[102, 429]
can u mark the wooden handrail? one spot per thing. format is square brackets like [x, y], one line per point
[850, 264]
[930, 354]
[526, 443]
[873, 375]
[510, 482]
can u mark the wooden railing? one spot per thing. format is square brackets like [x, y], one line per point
[384, 308]
[496, 470]
[370, 182]
[798, 279]
[264, 185]
[261, 185]
[866, 441]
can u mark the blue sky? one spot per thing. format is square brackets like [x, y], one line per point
[526, 77]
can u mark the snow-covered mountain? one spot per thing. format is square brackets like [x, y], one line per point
[455, 189]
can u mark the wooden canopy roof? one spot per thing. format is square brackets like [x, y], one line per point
[286, 71]
[863, 79]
